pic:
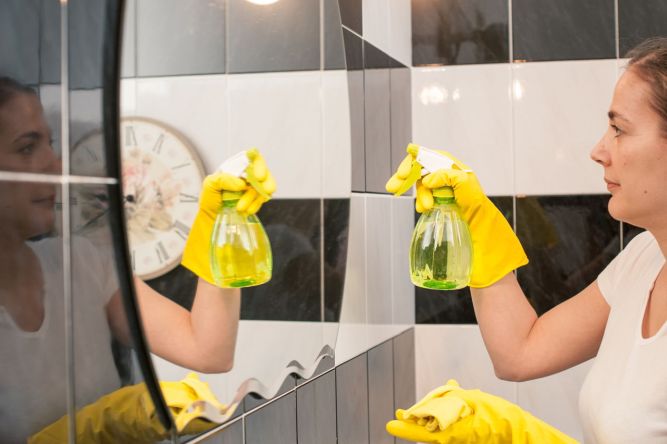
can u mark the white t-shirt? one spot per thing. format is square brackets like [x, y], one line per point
[624, 397]
[33, 370]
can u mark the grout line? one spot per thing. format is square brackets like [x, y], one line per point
[510, 31]
[617, 36]
[352, 31]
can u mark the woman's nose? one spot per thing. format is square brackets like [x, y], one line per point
[599, 153]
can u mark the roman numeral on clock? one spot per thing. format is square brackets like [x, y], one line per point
[157, 148]
[188, 198]
[130, 137]
[181, 229]
[161, 252]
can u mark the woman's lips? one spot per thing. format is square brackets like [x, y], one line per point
[49, 201]
[611, 185]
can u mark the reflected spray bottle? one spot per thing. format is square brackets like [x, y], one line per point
[240, 252]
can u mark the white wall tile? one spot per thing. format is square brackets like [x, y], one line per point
[456, 352]
[378, 259]
[375, 16]
[352, 331]
[466, 110]
[281, 115]
[560, 112]
[193, 105]
[388, 25]
[336, 159]
[555, 399]
[400, 30]
[403, 292]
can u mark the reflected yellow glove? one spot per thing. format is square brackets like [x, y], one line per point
[245, 173]
[128, 415]
[496, 249]
[450, 414]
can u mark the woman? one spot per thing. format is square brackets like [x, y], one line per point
[32, 309]
[620, 319]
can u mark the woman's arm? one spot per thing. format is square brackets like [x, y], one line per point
[524, 346]
[202, 339]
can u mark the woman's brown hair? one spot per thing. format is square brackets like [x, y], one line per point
[649, 61]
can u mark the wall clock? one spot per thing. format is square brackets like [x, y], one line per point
[162, 176]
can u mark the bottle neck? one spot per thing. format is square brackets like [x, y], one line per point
[230, 198]
[443, 200]
[229, 203]
[443, 196]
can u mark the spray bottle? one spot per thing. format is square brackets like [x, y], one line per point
[441, 247]
[240, 251]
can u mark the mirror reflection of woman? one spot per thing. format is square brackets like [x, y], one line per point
[32, 314]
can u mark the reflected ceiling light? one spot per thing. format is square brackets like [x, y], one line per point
[262, 2]
[432, 95]
[456, 95]
[517, 88]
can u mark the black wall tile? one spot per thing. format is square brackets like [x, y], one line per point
[454, 306]
[232, 434]
[86, 20]
[336, 227]
[452, 32]
[334, 51]
[179, 285]
[638, 20]
[380, 392]
[404, 370]
[569, 240]
[629, 232]
[49, 44]
[293, 293]
[20, 40]
[355, 83]
[316, 410]
[351, 15]
[352, 401]
[274, 423]
[563, 30]
[176, 37]
[283, 36]
[377, 118]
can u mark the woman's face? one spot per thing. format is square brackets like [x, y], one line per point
[26, 209]
[633, 153]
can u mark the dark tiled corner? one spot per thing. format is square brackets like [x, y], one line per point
[283, 36]
[352, 401]
[293, 293]
[179, 285]
[351, 15]
[252, 400]
[404, 369]
[629, 232]
[316, 411]
[355, 83]
[336, 228]
[377, 118]
[380, 392]
[86, 28]
[639, 20]
[569, 240]
[453, 306]
[401, 113]
[232, 434]
[274, 423]
[459, 32]
[49, 43]
[188, 38]
[564, 30]
[334, 51]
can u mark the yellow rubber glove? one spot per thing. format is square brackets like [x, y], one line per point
[128, 415]
[496, 249]
[450, 414]
[255, 185]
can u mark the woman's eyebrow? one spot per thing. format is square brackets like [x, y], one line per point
[32, 135]
[615, 115]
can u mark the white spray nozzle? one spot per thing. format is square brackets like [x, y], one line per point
[235, 165]
[432, 161]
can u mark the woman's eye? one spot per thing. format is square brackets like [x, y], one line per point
[27, 150]
[617, 130]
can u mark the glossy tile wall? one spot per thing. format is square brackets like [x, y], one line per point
[524, 113]
[349, 404]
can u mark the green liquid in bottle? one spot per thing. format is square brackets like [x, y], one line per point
[441, 248]
[240, 249]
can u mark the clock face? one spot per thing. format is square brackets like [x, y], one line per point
[162, 177]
